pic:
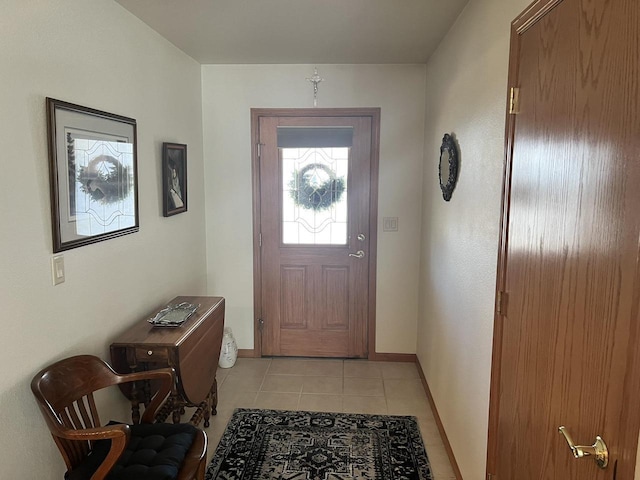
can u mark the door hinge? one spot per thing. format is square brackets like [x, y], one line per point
[514, 101]
[260, 239]
[491, 476]
[259, 147]
[260, 324]
[501, 303]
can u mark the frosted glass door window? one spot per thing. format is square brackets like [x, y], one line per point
[314, 195]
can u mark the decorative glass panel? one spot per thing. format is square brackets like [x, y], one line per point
[100, 199]
[314, 195]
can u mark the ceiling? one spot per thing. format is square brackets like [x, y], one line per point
[301, 31]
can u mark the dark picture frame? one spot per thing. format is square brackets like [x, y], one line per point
[174, 178]
[448, 165]
[93, 174]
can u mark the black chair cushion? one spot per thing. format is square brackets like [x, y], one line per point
[155, 452]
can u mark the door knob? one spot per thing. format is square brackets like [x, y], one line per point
[358, 254]
[597, 450]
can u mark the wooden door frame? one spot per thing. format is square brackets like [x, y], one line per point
[518, 27]
[530, 16]
[374, 114]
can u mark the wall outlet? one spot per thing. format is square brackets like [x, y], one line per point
[57, 269]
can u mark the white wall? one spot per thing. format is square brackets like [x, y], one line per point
[466, 96]
[229, 92]
[98, 55]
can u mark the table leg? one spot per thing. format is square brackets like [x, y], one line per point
[178, 406]
[135, 404]
[135, 400]
[207, 410]
[214, 397]
[202, 409]
[165, 410]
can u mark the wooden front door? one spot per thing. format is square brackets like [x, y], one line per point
[316, 236]
[565, 344]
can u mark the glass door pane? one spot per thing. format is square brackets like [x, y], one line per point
[314, 195]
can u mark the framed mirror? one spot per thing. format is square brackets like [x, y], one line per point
[448, 166]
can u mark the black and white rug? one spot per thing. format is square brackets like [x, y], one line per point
[274, 444]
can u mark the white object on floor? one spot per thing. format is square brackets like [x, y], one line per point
[229, 350]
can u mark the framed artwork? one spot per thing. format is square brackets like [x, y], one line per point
[93, 169]
[174, 178]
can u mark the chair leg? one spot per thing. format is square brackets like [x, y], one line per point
[201, 469]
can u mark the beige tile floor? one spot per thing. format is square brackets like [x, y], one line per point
[350, 386]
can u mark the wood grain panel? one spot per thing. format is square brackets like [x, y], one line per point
[293, 301]
[569, 262]
[342, 303]
[544, 93]
[335, 283]
[269, 230]
[326, 343]
[198, 361]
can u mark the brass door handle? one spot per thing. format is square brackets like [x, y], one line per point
[358, 254]
[598, 450]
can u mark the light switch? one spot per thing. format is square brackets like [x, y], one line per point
[57, 269]
[390, 224]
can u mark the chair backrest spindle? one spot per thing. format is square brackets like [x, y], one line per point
[75, 419]
[88, 419]
[93, 410]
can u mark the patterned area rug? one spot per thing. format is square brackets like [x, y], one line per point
[270, 444]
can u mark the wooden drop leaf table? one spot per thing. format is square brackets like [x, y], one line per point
[191, 349]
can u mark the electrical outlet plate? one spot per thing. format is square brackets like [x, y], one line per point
[57, 269]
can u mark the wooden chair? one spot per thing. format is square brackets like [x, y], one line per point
[148, 451]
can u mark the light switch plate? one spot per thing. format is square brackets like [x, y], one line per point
[57, 269]
[390, 224]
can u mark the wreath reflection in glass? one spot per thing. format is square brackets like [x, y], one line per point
[105, 180]
[316, 187]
